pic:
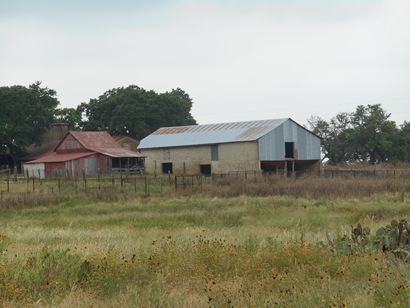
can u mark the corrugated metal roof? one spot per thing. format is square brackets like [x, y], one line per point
[209, 133]
[103, 143]
[55, 158]
[91, 140]
[120, 152]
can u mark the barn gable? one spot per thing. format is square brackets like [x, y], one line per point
[272, 146]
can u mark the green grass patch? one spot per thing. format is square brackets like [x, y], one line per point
[203, 250]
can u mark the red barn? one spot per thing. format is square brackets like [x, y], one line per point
[85, 153]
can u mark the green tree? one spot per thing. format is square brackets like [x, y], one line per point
[69, 116]
[26, 113]
[401, 144]
[136, 112]
[366, 134]
[372, 134]
[333, 134]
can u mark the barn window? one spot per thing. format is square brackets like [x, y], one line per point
[289, 146]
[167, 168]
[167, 154]
[214, 152]
[205, 169]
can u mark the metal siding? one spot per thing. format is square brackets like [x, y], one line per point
[91, 166]
[272, 145]
[279, 153]
[33, 170]
[302, 144]
[308, 145]
[50, 168]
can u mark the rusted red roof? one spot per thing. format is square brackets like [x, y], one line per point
[55, 158]
[95, 140]
[102, 142]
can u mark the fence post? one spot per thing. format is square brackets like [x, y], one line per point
[59, 186]
[146, 185]
[200, 182]
[33, 184]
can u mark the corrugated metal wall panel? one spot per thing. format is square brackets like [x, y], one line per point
[91, 166]
[272, 145]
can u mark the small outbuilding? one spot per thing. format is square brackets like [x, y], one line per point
[278, 145]
[127, 142]
[85, 153]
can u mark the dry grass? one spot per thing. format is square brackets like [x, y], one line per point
[198, 251]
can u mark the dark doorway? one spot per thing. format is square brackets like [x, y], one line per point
[289, 152]
[205, 169]
[167, 168]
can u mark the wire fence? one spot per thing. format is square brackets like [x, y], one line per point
[382, 173]
[133, 184]
[76, 185]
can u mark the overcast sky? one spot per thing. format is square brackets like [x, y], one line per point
[238, 60]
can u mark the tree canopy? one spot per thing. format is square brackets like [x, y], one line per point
[26, 113]
[365, 135]
[136, 112]
[69, 116]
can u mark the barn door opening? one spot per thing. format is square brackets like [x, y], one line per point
[167, 168]
[289, 149]
[205, 169]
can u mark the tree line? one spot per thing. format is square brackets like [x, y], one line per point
[28, 112]
[366, 134]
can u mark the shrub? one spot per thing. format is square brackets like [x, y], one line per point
[393, 240]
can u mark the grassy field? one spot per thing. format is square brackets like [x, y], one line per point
[259, 243]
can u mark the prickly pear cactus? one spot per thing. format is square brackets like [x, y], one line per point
[394, 239]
